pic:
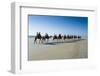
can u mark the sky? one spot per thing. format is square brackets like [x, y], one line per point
[58, 25]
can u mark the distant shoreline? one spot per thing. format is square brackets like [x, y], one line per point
[31, 36]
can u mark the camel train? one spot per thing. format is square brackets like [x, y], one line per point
[46, 37]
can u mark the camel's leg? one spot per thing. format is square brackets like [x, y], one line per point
[39, 41]
[44, 41]
[57, 40]
[47, 40]
[35, 41]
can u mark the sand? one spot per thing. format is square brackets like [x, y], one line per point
[70, 49]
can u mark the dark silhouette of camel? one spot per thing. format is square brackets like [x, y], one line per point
[46, 37]
[41, 38]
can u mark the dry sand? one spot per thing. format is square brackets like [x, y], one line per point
[67, 50]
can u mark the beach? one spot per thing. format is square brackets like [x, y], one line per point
[70, 49]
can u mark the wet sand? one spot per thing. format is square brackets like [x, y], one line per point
[70, 49]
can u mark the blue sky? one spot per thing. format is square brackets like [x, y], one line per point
[58, 25]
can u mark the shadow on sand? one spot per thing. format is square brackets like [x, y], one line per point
[55, 43]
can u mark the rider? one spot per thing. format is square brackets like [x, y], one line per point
[46, 35]
[39, 34]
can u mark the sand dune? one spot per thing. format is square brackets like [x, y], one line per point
[67, 50]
